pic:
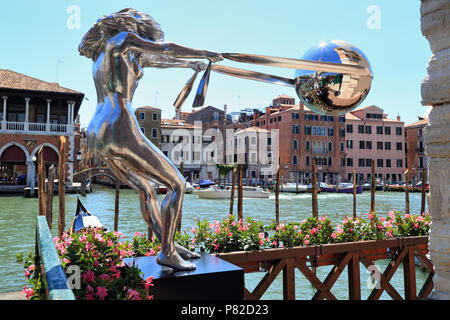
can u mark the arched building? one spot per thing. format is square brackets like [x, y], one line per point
[34, 113]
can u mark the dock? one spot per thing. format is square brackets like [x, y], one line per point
[12, 296]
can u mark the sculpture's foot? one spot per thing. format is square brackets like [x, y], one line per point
[186, 253]
[174, 261]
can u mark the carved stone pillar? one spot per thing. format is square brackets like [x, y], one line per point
[435, 25]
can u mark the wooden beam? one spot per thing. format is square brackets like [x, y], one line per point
[61, 185]
[354, 278]
[289, 280]
[409, 274]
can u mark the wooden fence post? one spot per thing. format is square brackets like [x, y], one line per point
[424, 189]
[354, 193]
[233, 186]
[240, 192]
[41, 182]
[61, 185]
[50, 192]
[277, 197]
[373, 187]
[315, 212]
[406, 192]
[116, 205]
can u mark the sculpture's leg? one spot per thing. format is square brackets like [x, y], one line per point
[148, 203]
[170, 211]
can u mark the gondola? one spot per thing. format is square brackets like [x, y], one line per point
[84, 219]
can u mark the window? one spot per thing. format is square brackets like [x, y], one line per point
[379, 145]
[154, 133]
[349, 144]
[349, 128]
[341, 132]
[388, 163]
[349, 162]
[323, 118]
[342, 147]
[387, 130]
[143, 130]
[323, 131]
[361, 162]
[313, 131]
[330, 161]
[307, 130]
[215, 116]
[379, 130]
[295, 116]
[307, 160]
[295, 129]
[368, 162]
[362, 144]
[294, 159]
[279, 118]
[341, 119]
[308, 145]
[330, 132]
[141, 115]
[269, 141]
[253, 140]
[369, 145]
[419, 133]
[398, 146]
[330, 146]
[399, 163]
[379, 163]
[368, 129]
[360, 128]
[398, 131]
[421, 162]
[295, 145]
[155, 116]
[387, 145]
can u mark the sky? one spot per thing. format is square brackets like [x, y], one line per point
[40, 38]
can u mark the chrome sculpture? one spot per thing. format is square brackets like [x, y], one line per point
[121, 45]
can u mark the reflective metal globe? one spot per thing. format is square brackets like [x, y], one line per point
[333, 93]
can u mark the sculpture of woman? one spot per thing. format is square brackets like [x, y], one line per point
[121, 45]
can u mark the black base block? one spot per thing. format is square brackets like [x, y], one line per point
[213, 279]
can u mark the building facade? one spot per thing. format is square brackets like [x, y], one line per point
[415, 157]
[34, 114]
[149, 119]
[371, 136]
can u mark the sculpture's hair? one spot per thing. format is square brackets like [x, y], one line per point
[130, 20]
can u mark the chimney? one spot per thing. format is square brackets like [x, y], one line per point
[267, 111]
[398, 117]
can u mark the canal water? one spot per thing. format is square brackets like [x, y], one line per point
[18, 227]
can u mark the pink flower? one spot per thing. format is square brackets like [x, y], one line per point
[333, 235]
[261, 235]
[133, 295]
[389, 234]
[416, 225]
[29, 292]
[193, 230]
[306, 242]
[102, 292]
[313, 231]
[89, 276]
[229, 234]
[150, 253]
[104, 277]
[148, 283]
[274, 243]
[216, 246]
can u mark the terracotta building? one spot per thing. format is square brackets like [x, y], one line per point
[302, 137]
[416, 159]
[34, 113]
[371, 136]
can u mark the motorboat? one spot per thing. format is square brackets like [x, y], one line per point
[224, 192]
[161, 189]
[293, 187]
[343, 187]
[206, 183]
[84, 219]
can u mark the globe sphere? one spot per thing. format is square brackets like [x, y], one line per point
[333, 93]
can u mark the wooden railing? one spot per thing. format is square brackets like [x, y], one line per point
[351, 254]
[53, 273]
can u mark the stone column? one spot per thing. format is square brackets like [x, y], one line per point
[5, 99]
[27, 108]
[435, 25]
[47, 124]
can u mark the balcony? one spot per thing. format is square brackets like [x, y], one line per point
[36, 128]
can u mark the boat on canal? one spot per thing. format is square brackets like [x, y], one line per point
[293, 187]
[343, 187]
[224, 192]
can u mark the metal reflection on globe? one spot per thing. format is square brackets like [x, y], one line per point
[330, 93]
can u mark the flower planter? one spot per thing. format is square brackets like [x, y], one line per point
[251, 266]
[423, 247]
[328, 259]
[375, 254]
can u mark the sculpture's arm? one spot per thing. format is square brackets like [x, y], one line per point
[125, 41]
[161, 61]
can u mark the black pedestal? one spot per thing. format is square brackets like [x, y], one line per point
[213, 279]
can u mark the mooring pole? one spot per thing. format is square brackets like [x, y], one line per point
[240, 192]
[277, 197]
[233, 186]
[424, 189]
[61, 186]
[50, 193]
[315, 212]
[41, 182]
[406, 192]
[354, 193]
[116, 205]
[373, 187]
